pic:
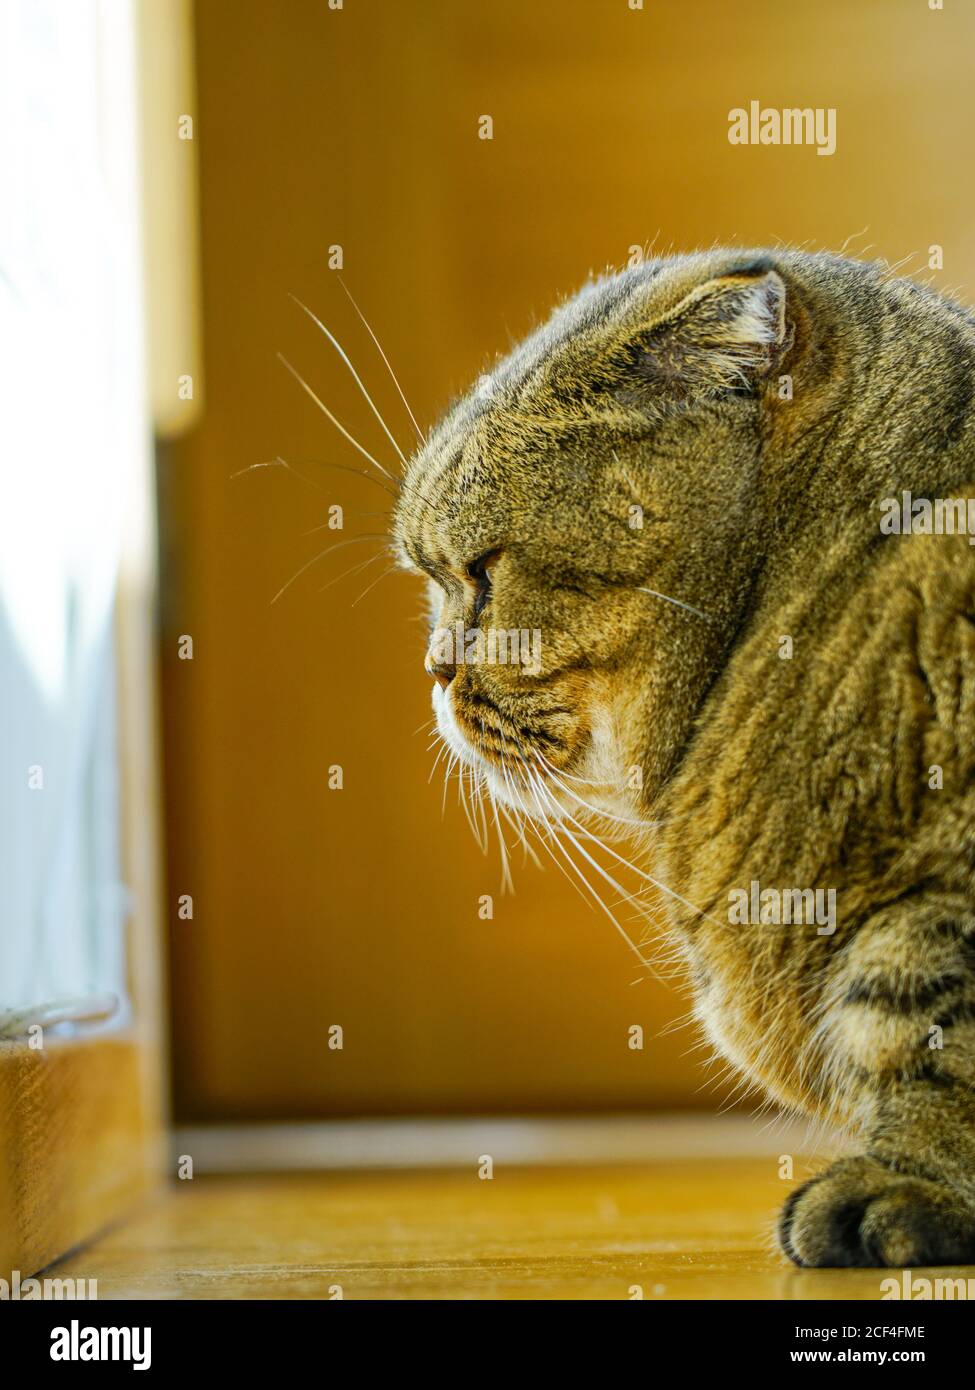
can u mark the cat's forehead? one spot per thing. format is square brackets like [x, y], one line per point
[453, 469]
[447, 502]
[592, 307]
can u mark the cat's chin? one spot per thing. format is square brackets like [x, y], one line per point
[540, 792]
[507, 786]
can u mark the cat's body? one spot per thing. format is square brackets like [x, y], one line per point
[795, 686]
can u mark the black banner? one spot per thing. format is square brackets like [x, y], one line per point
[148, 1337]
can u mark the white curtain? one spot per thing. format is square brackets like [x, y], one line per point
[72, 427]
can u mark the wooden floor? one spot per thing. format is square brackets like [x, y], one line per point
[699, 1229]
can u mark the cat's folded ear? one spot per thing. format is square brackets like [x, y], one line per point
[724, 335]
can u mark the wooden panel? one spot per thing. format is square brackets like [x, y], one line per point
[359, 127]
[77, 1144]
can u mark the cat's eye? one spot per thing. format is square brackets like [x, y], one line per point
[479, 572]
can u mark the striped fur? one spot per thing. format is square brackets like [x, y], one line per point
[812, 767]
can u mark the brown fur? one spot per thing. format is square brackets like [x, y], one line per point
[660, 388]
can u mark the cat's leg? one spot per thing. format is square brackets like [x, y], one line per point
[898, 1034]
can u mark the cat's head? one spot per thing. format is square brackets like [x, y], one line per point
[586, 518]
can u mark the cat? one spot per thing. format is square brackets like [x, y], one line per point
[677, 480]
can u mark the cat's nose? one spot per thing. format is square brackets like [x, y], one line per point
[441, 673]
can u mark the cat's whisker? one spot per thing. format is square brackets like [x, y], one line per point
[562, 827]
[363, 535]
[356, 569]
[540, 824]
[468, 812]
[280, 462]
[507, 883]
[516, 791]
[369, 587]
[595, 810]
[522, 839]
[662, 887]
[516, 818]
[328, 525]
[678, 602]
[603, 874]
[336, 422]
[452, 761]
[419, 433]
[552, 775]
[329, 550]
[481, 811]
[508, 815]
[462, 800]
[583, 781]
[355, 376]
[437, 760]
[477, 786]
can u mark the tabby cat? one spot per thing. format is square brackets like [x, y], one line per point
[677, 481]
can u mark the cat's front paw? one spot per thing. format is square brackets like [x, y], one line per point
[860, 1213]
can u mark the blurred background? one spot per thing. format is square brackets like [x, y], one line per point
[186, 169]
